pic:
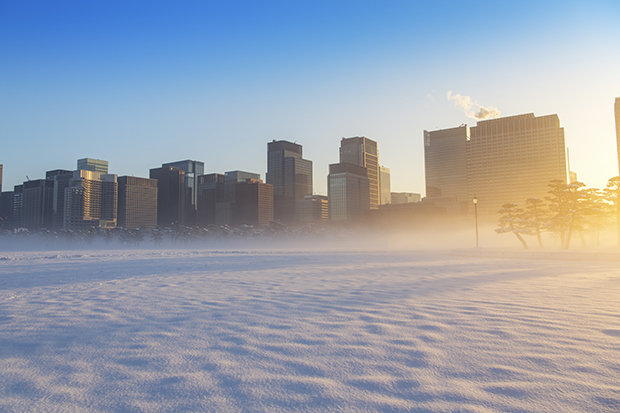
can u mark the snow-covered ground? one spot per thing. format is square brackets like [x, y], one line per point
[268, 331]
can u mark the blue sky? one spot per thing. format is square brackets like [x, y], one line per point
[140, 83]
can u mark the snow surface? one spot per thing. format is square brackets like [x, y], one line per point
[269, 331]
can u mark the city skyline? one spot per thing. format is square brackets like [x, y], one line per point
[214, 82]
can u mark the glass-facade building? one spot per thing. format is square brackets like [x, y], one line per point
[91, 201]
[171, 195]
[231, 179]
[385, 186]
[211, 190]
[37, 204]
[314, 208]
[348, 189]
[291, 177]
[498, 161]
[363, 152]
[192, 170]
[94, 165]
[61, 178]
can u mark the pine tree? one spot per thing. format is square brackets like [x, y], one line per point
[534, 218]
[512, 221]
[612, 196]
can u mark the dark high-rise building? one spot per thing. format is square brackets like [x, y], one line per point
[137, 202]
[363, 152]
[36, 208]
[171, 195]
[253, 204]
[291, 177]
[499, 161]
[6, 209]
[348, 189]
[192, 170]
[1, 167]
[211, 191]
[91, 201]
[94, 165]
[62, 179]
[231, 181]
[18, 203]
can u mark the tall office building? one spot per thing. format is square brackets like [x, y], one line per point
[90, 201]
[445, 166]
[253, 204]
[216, 206]
[210, 191]
[37, 198]
[363, 152]
[385, 186]
[617, 112]
[61, 178]
[95, 165]
[314, 208]
[291, 177]
[18, 203]
[348, 189]
[6, 209]
[171, 195]
[1, 167]
[137, 202]
[232, 178]
[192, 170]
[499, 161]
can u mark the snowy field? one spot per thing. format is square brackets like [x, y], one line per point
[268, 331]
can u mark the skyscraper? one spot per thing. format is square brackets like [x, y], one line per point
[192, 170]
[211, 190]
[232, 178]
[171, 195]
[348, 190]
[314, 208]
[6, 209]
[385, 186]
[363, 152]
[90, 201]
[18, 203]
[137, 202]
[253, 204]
[0, 178]
[291, 177]
[445, 166]
[95, 165]
[37, 204]
[61, 178]
[499, 161]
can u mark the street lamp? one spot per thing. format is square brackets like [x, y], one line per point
[475, 201]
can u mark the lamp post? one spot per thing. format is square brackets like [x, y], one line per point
[475, 201]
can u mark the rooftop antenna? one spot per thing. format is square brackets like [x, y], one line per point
[27, 178]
